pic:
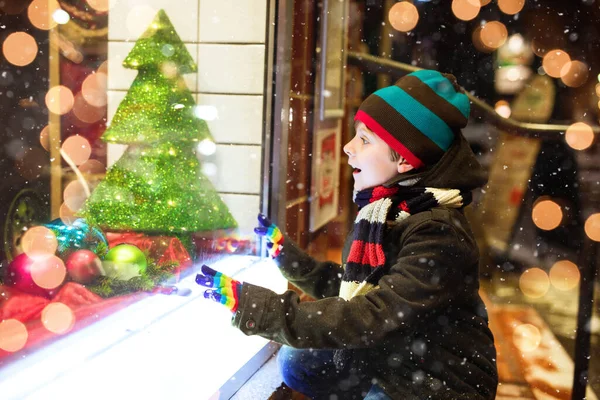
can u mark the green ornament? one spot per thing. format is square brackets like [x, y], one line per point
[124, 262]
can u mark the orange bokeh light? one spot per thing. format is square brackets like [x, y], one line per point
[574, 73]
[49, 273]
[466, 10]
[100, 5]
[592, 227]
[45, 138]
[579, 136]
[403, 16]
[39, 243]
[534, 283]
[58, 318]
[59, 100]
[547, 215]
[77, 148]
[66, 215]
[92, 167]
[13, 335]
[19, 49]
[502, 108]
[40, 13]
[94, 89]
[527, 337]
[511, 7]
[74, 195]
[86, 112]
[554, 61]
[564, 275]
[493, 34]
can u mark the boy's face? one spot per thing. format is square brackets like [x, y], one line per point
[370, 158]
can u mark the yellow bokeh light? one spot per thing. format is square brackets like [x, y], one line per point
[554, 61]
[466, 10]
[403, 16]
[39, 243]
[579, 136]
[527, 337]
[94, 89]
[592, 227]
[101, 5]
[77, 148]
[19, 49]
[58, 318]
[546, 215]
[13, 335]
[49, 273]
[598, 89]
[511, 7]
[74, 195]
[574, 73]
[59, 100]
[502, 108]
[534, 283]
[564, 275]
[493, 34]
[40, 13]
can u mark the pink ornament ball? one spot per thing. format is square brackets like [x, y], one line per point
[83, 266]
[18, 276]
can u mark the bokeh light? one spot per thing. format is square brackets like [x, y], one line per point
[103, 68]
[74, 195]
[534, 283]
[59, 100]
[494, 34]
[466, 10]
[527, 337]
[579, 136]
[77, 148]
[19, 49]
[86, 112]
[94, 90]
[511, 7]
[101, 5]
[592, 227]
[546, 215]
[485, 2]
[66, 215]
[13, 335]
[39, 243]
[49, 273]
[502, 108]
[554, 61]
[40, 13]
[92, 167]
[45, 138]
[403, 16]
[476, 37]
[564, 275]
[58, 318]
[574, 73]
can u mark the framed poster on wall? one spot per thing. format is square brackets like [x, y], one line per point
[332, 44]
[325, 176]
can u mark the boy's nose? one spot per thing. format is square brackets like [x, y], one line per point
[348, 149]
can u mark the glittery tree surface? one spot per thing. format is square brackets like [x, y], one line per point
[157, 186]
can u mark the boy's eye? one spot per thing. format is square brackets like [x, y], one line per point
[364, 140]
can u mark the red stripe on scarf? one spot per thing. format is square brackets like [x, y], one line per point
[403, 206]
[370, 254]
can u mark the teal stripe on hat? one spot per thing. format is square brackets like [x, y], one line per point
[418, 115]
[443, 87]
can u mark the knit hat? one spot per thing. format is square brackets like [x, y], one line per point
[418, 115]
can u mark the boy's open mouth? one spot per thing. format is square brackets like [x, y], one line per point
[356, 170]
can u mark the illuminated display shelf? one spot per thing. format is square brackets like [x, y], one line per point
[162, 347]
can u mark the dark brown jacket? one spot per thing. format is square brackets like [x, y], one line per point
[424, 332]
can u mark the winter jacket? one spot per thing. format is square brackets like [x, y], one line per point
[423, 333]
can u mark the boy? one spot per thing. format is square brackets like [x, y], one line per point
[402, 318]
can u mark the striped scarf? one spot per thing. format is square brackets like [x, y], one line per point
[366, 261]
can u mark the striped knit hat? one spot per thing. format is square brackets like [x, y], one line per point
[418, 115]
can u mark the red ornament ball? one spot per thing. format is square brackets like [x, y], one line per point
[83, 266]
[18, 275]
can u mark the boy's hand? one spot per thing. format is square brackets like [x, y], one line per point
[224, 289]
[272, 233]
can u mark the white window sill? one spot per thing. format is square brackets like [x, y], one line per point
[162, 347]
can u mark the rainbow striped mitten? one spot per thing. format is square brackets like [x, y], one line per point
[272, 233]
[223, 289]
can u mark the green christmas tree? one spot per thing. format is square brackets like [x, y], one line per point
[157, 186]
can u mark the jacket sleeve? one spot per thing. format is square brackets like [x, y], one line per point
[317, 279]
[429, 275]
